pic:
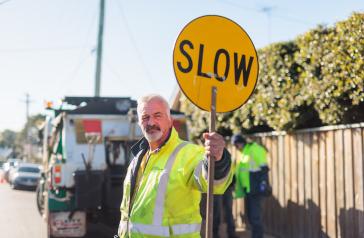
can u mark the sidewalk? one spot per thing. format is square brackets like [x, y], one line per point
[246, 234]
[242, 233]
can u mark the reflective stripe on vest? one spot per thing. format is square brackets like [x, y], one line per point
[252, 164]
[201, 169]
[179, 229]
[250, 170]
[197, 174]
[156, 228]
[162, 186]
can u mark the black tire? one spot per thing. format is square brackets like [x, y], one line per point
[13, 186]
[40, 199]
[49, 230]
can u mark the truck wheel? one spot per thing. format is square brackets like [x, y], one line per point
[49, 230]
[40, 200]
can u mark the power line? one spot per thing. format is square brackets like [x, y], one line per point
[112, 71]
[131, 37]
[3, 2]
[259, 10]
[24, 50]
[73, 74]
[82, 58]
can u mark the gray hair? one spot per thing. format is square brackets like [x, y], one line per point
[151, 97]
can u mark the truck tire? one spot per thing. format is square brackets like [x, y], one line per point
[40, 199]
[49, 230]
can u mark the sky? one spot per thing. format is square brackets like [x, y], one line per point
[47, 47]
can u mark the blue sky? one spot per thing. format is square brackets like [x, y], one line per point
[47, 46]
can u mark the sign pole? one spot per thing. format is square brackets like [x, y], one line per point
[211, 171]
[226, 62]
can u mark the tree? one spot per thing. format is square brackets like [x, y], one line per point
[28, 136]
[7, 139]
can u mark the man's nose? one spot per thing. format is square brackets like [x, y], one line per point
[151, 122]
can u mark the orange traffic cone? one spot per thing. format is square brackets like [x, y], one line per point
[2, 179]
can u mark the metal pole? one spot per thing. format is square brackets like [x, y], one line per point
[99, 49]
[27, 103]
[211, 171]
[27, 139]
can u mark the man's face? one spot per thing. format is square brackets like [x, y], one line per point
[154, 120]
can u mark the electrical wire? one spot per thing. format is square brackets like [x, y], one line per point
[131, 37]
[30, 50]
[261, 10]
[3, 2]
[82, 56]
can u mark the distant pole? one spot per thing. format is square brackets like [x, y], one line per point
[99, 48]
[268, 10]
[27, 141]
[27, 103]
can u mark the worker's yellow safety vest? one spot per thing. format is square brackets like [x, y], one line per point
[166, 201]
[253, 158]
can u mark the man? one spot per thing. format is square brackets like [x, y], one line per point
[167, 175]
[251, 181]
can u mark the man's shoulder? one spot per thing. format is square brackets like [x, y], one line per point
[192, 146]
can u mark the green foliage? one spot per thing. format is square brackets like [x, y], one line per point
[7, 139]
[30, 130]
[316, 79]
[333, 59]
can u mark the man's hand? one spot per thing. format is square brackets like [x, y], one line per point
[214, 145]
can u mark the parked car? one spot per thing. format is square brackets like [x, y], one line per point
[25, 176]
[7, 167]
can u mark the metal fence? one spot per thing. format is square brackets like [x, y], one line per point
[317, 176]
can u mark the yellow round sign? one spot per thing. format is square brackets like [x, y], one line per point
[213, 51]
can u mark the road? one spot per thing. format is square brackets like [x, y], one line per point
[19, 215]
[20, 218]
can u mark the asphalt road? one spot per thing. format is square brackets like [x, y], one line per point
[19, 215]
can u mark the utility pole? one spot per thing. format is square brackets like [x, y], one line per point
[27, 104]
[99, 48]
[27, 139]
[268, 11]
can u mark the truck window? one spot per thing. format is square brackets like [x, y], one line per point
[116, 152]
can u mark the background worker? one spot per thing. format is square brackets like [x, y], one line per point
[165, 179]
[252, 183]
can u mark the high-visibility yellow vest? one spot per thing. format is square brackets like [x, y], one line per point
[166, 201]
[253, 157]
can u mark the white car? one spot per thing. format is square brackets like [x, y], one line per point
[8, 166]
[25, 176]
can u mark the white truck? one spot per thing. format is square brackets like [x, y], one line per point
[86, 152]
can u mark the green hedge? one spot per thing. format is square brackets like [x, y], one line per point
[316, 79]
